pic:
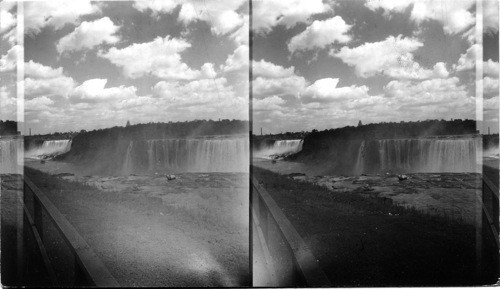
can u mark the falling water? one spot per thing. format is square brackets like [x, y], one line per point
[360, 158]
[187, 155]
[50, 148]
[127, 165]
[422, 155]
[10, 159]
[280, 148]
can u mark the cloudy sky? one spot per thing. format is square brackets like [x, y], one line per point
[322, 64]
[98, 64]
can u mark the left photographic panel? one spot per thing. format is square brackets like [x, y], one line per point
[130, 155]
[11, 142]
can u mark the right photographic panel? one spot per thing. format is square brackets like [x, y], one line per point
[375, 157]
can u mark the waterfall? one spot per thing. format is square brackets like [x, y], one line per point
[280, 148]
[360, 158]
[421, 155]
[50, 148]
[187, 155]
[127, 164]
[10, 156]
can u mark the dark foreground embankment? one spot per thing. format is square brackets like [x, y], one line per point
[363, 240]
[154, 232]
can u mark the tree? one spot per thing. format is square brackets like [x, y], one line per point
[128, 123]
[360, 123]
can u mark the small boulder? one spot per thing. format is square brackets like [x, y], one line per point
[402, 177]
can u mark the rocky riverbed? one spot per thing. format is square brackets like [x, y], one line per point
[453, 194]
[450, 194]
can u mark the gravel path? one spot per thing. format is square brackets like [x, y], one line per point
[149, 231]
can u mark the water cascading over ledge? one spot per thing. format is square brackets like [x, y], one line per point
[281, 148]
[187, 155]
[418, 155]
[10, 151]
[50, 148]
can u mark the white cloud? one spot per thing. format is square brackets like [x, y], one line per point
[270, 13]
[58, 86]
[160, 57]
[187, 13]
[490, 68]
[269, 103]
[220, 15]
[208, 71]
[37, 70]
[440, 70]
[490, 15]
[388, 5]
[290, 86]
[194, 92]
[7, 20]
[324, 104]
[55, 13]
[326, 90]
[156, 6]
[8, 5]
[201, 97]
[223, 21]
[38, 103]
[41, 80]
[321, 34]
[8, 62]
[274, 80]
[490, 86]
[409, 69]
[8, 104]
[88, 35]
[467, 61]
[392, 56]
[238, 60]
[284, 101]
[11, 36]
[429, 92]
[93, 90]
[453, 15]
[491, 105]
[270, 70]
[240, 36]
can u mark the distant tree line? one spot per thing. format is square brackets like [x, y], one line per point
[158, 130]
[390, 130]
[490, 141]
[8, 127]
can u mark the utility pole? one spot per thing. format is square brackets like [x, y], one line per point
[260, 131]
